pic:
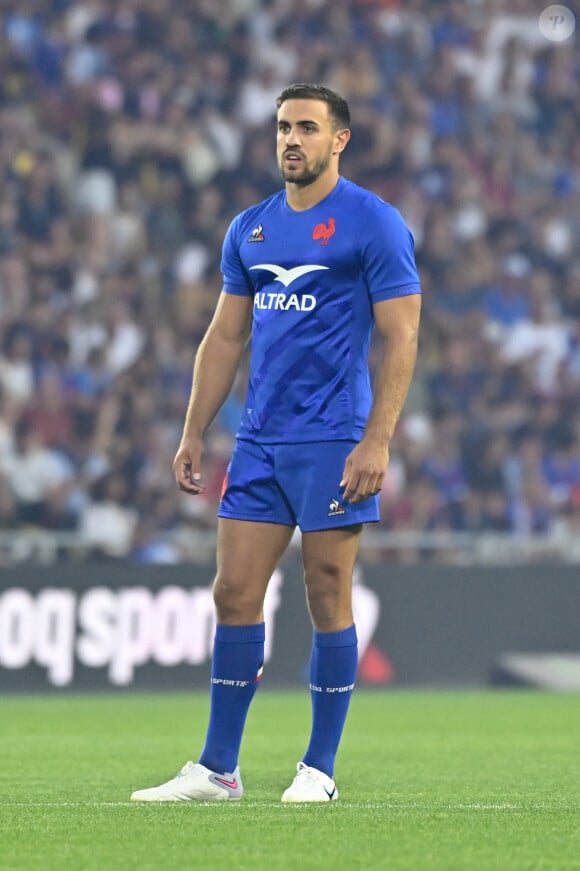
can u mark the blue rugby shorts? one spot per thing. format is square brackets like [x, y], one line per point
[293, 484]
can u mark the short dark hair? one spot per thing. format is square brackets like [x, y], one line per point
[337, 105]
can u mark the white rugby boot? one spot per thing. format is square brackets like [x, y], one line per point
[310, 784]
[195, 782]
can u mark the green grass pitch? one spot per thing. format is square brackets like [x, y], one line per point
[429, 781]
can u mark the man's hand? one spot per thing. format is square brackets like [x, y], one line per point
[187, 465]
[364, 470]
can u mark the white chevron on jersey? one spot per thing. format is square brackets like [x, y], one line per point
[287, 276]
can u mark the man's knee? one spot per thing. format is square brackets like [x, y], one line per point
[328, 592]
[235, 601]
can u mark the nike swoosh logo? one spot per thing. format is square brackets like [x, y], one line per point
[287, 276]
[330, 794]
[231, 784]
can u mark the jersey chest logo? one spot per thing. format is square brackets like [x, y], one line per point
[323, 232]
[257, 234]
[287, 276]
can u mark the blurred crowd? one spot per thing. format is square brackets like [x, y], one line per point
[131, 133]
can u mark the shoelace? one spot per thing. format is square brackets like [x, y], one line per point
[185, 769]
[307, 775]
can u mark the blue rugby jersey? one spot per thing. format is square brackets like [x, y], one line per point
[314, 276]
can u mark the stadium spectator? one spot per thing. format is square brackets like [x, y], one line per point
[108, 523]
[39, 479]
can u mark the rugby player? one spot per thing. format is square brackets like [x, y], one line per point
[308, 274]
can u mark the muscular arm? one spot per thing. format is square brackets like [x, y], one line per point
[397, 322]
[216, 363]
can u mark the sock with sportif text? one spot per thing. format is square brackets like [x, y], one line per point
[238, 658]
[333, 666]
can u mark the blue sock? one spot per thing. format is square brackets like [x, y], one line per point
[238, 657]
[333, 666]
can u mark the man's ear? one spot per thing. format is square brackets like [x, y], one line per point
[342, 138]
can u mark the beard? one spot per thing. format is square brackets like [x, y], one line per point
[307, 173]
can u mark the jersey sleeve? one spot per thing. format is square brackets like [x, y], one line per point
[389, 256]
[236, 280]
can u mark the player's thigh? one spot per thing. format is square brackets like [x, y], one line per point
[329, 556]
[248, 551]
[309, 475]
[251, 490]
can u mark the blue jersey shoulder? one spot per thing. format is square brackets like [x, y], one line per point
[387, 246]
[369, 202]
[251, 219]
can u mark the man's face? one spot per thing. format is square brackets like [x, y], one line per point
[306, 140]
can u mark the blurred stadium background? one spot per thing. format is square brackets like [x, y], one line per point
[131, 133]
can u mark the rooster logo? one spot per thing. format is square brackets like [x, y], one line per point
[322, 232]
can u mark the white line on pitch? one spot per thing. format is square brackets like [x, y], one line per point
[66, 803]
[369, 805]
